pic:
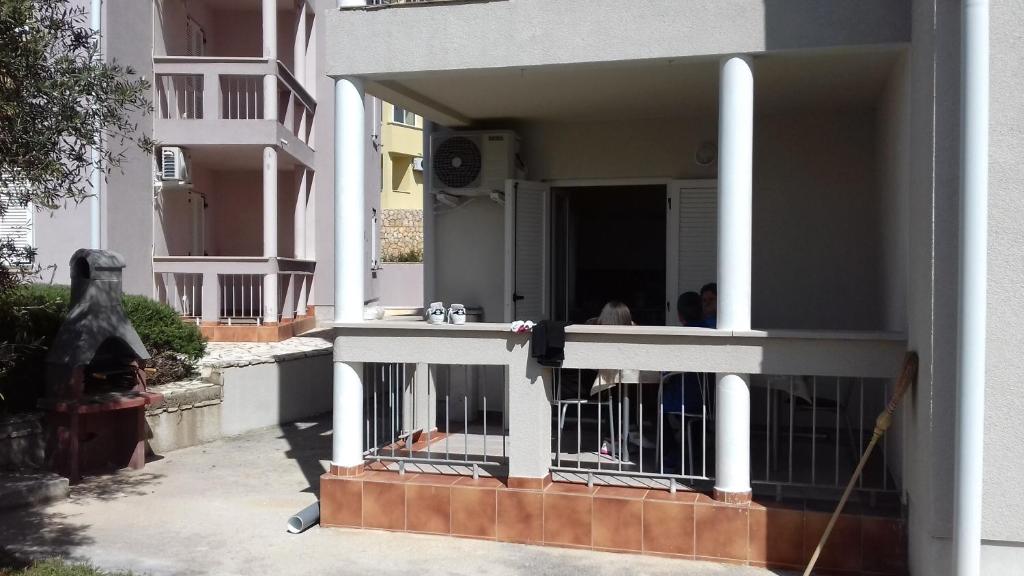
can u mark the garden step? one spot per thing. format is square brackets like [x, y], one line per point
[26, 489]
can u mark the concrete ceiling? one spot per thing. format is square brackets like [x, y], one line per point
[232, 158]
[243, 5]
[648, 89]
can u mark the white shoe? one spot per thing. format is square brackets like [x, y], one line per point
[436, 314]
[457, 314]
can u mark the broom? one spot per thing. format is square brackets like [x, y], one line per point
[882, 423]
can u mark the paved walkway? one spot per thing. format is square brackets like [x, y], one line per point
[220, 509]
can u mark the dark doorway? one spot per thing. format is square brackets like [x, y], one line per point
[609, 244]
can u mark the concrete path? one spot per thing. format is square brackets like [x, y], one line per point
[220, 509]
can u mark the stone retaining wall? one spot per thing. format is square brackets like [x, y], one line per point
[401, 232]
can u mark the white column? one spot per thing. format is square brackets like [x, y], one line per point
[270, 231]
[735, 193]
[299, 60]
[269, 14]
[349, 267]
[973, 292]
[95, 179]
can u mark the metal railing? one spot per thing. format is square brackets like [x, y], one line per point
[181, 291]
[449, 419]
[179, 96]
[808, 432]
[241, 97]
[232, 290]
[198, 88]
[657, 430]
[631, 427]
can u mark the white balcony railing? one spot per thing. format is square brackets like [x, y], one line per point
[207, 88]
[231, 290]
[469, 399]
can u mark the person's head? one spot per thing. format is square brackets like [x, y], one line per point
[709, 299]
[689, 308]
[615, 313]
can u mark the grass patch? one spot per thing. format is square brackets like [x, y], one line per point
[11, 567]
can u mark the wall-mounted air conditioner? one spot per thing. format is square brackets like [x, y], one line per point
[473, 163]
[173, 165]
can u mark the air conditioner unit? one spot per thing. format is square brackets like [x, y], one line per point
[472, 163]
[173, 167]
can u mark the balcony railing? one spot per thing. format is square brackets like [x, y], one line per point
[231, 290]
[631, 406]
[205, 88]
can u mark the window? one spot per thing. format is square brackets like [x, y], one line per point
[403, 116]
[16, 226]
[195, 38]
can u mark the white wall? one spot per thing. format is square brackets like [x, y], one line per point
[818, 235]
[1003, 509]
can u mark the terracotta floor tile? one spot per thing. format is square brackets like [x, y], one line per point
[721, 532]
[668, 527]
[618, 523]
[567, 519]
[474, 511]
[428, 508]
[520, 516]
[777, 536]
[621, 492]
[843, 549]
[341, 501]
[434, 479]
[666, 496]
[384, 505]
[569, 488]
[482, 482]
[381, 476]
[884, 542]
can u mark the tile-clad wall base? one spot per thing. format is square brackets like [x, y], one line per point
[265, 333]
[686, 525]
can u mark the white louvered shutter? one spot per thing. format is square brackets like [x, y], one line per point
[526, 244]
[692, 251]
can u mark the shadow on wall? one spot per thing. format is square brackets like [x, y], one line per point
[792, 24]
[308, 435]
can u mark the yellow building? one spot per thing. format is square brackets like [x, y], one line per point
[401, 184]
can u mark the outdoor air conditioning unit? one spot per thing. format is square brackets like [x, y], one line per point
[173, 167]
[473, 163]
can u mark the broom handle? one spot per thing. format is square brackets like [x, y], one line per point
[882, 423]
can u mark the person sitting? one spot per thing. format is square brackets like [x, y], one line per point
[683, 389]
[709, 304]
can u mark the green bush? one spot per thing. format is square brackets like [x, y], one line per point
[31, 314]
[410, 255]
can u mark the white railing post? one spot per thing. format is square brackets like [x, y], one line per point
[529, 417]
[270, 288]
[211, 298]
[349, 204]
[301, 187]
[735, 181]
[211, 96]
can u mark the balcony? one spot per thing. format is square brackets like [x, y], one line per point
[232, 101]
[467, 408]
[220, 293]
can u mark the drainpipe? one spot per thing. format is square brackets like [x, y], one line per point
[973, 284]
[95, 182]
